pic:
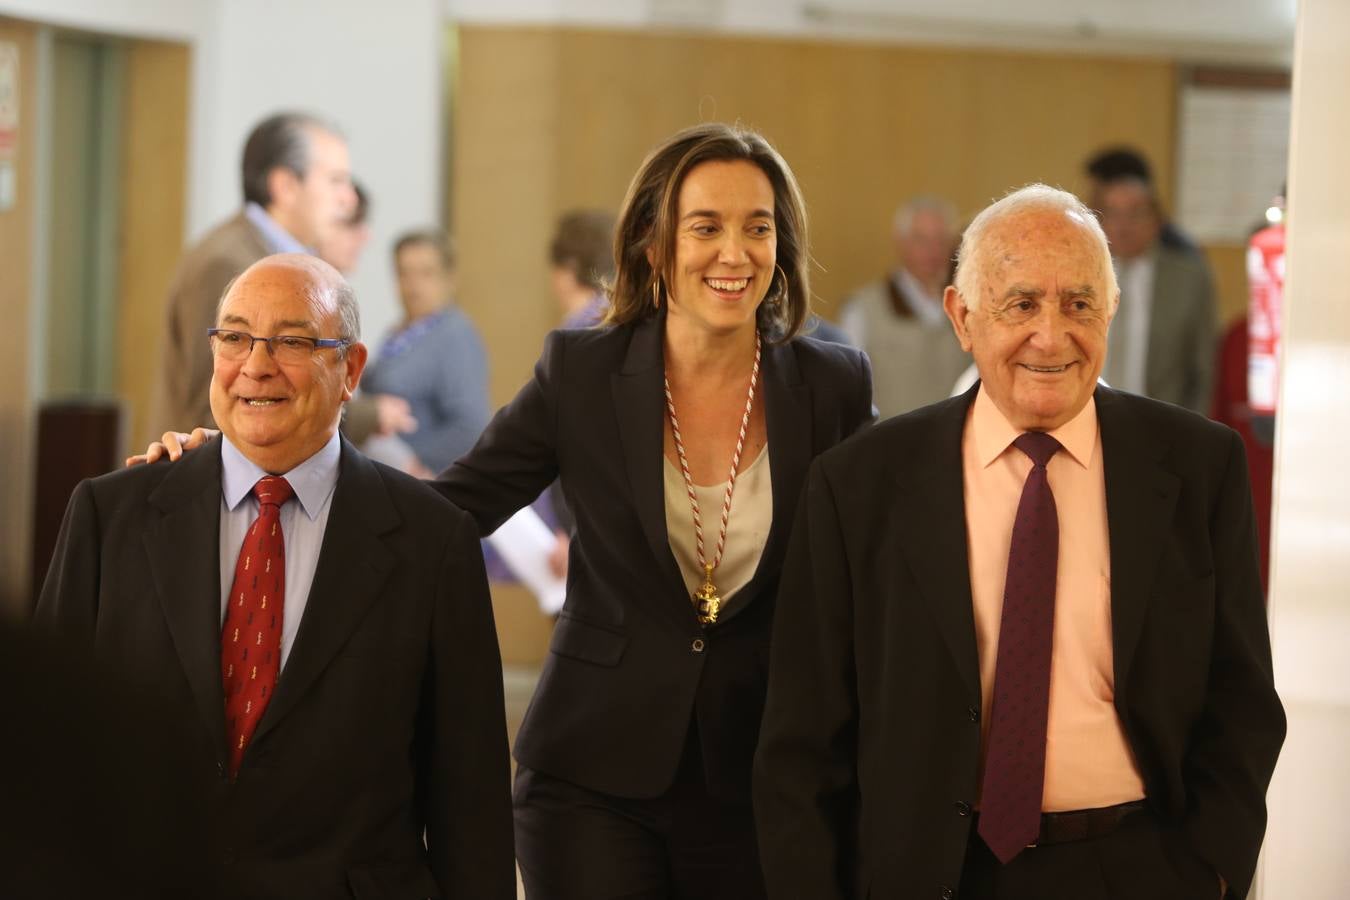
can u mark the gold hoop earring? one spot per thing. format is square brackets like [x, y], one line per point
[780, 298]
[656, 292]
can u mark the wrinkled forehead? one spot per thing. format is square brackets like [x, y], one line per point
[266, 295]
[1061, 239]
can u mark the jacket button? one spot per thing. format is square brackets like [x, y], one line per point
[946, 893]
[697, 645]
[973, 712]
[962, 808]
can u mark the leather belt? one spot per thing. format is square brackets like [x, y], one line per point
[1083, 824]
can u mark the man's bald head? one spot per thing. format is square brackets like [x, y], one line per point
[280, 404]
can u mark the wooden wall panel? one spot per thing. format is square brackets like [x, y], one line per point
[154, 203]
[549, 119]
[16, 283]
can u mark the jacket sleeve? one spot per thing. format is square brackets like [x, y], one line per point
[516, 457]
[465, 757]
[1235, 742]
[805, 774]
[68, 603]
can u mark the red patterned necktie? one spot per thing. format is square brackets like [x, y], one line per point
[250, 642]
[1014, 766]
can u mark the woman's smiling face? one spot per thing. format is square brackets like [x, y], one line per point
[725, 245]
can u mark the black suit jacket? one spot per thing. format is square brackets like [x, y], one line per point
[871, 739]
[388, 717]
[629, 663]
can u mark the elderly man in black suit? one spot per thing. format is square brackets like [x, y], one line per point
[1021, 649]
[321, 620]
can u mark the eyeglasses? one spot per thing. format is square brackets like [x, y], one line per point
[287, 348]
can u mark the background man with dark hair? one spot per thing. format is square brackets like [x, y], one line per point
[1115, 163]
[1162, 342]
[434, 360]
[297, 188]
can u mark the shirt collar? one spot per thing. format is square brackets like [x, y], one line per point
[278, 239]
[313, 480]
[994, 434]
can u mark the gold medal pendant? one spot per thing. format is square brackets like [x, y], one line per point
[706, 600]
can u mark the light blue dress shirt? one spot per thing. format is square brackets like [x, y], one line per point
[278, 239]
[303, 520]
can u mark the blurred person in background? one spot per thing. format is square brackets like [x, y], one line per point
[298, 196]
[581, 263]
[633, 776]
[433, 360]
[1162, 341]
[1115, 163]
[342, 248]
[898, 320]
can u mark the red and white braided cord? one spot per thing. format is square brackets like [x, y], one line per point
[735, 464]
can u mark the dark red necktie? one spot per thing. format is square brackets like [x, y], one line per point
[1014, 765]
[250, 641]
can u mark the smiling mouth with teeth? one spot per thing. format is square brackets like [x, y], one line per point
[262, 401]
[730, 285]
[1046, 370]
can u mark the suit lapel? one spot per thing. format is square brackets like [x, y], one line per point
[931, 527]
[637, 391]
[353, 565]
[183, 550]
[788, 421]
[1140, 497]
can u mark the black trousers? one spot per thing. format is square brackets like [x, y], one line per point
[577, 844]
[1142, 859]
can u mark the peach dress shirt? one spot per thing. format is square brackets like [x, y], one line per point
[1088, 762]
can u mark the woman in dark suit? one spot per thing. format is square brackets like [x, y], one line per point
[634, 757]
[681, 431]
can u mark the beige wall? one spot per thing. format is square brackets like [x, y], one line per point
[553, 118]
[151, 222]
[16, 274]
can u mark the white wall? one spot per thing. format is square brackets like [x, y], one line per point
[373, 67]
[1251, 31]
[170, 19]
[1306, 857]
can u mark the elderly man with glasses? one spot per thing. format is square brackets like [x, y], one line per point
[323, 621]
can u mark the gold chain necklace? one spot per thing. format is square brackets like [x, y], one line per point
[707, 600]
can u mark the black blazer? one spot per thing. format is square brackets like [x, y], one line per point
[871, 739]
[388, 717]
[629, 662]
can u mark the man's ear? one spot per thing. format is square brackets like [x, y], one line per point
[355, 361]
[957, 313]
[282, 186]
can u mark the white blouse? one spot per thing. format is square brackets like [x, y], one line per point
[747, 527]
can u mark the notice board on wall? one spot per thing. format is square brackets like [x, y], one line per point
[1232, 152]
